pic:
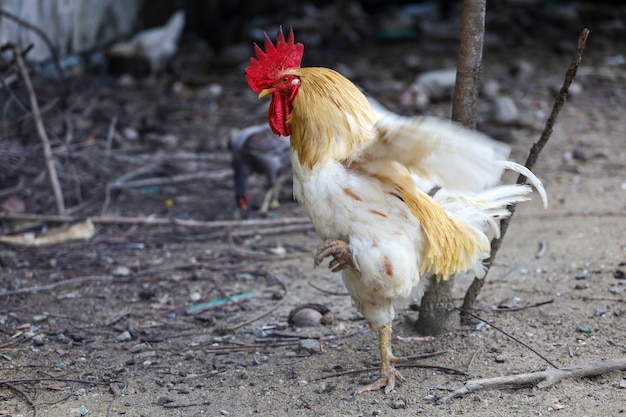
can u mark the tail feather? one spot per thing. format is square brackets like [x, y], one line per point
[532, 178]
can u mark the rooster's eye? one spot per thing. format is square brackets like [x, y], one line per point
[285, 79]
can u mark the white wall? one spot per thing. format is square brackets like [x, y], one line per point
[72, 25]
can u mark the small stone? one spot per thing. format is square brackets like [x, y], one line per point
[619, 274]
[38, 340]
[125, 336]
[600, 312]
[138, 347]
[130, 133]
[585, 329]
[399, 404]
[310, 346]
[164, 400]
[622, 383]
[501, 358]
[121, 271]
[82, 410]
[581, 275]
[505, 111]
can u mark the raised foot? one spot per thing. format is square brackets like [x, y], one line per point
[387, 381]
[341, 253]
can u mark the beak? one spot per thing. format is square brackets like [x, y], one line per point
[266, 92]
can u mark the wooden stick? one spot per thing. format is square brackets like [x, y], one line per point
[472, 293]
[41, 131]
[159, 221]
[542, 379]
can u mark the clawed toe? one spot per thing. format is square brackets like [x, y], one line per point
[388, 382]
[341, 253]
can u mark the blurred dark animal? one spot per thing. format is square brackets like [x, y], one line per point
[257, 149]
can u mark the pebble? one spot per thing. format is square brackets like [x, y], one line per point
[310, 346]
[399, 404]
[622, 383]
[501, 358]
[505, 111]
[130, 133]
[38, 340]
[125, 336]
[121, 271]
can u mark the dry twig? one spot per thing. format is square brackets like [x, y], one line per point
[41, 131]
[477, 284]
[265, 313]
[542, 379]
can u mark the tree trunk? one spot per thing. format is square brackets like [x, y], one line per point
[437, 311]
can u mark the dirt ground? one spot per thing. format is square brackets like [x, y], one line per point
[104, 327]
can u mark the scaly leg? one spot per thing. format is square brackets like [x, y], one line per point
[341, 253]
[388, 374]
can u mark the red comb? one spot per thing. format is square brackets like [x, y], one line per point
[262, 70]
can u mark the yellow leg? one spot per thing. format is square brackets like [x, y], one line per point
[388, 374]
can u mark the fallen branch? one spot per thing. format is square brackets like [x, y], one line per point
[159, 221]
[203, 175]
[79, 280]
[541, 379]
[472, 293]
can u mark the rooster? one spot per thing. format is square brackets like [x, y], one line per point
[256, 149]
[156, 45]
[392, 198]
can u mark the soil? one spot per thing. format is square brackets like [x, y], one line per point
[120, 339]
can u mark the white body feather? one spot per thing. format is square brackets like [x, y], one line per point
[386, 239]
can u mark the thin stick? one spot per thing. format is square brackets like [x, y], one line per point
[505, 310]
[24, 394]
[57, 285]
[401, 365]
[260, 316]
[508, 335]
[186, 405]
[472, 293]
[41, 131]
[542, 379]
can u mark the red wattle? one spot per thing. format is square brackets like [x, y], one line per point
[278, 115]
